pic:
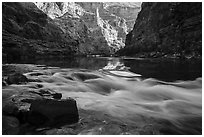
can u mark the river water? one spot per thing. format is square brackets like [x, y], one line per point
[157, 95]
[162, 69]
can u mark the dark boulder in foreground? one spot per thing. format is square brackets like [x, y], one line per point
[51, 112]
[33, 107]
[41, 113]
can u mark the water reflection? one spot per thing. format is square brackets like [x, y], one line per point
[162, 69]
[168, 70]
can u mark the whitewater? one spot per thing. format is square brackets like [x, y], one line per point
[168, 107]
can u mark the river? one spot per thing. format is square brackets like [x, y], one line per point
[131, 95]
[162, 69]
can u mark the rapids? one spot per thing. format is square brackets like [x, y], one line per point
[174, 107]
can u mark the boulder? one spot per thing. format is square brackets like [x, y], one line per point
[49, 112]
[39, 85]
[16, 78]
[14, 103]
[57, 96]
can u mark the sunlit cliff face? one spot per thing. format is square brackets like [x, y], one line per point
[107, 23]
[127, 96]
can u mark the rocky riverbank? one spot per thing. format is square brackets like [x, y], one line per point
[28, 106]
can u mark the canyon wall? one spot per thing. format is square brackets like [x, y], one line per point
[104, 29]
[28, 32]
[65, 28]
[166, 29]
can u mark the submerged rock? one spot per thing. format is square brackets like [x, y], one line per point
[57, 96]
[16, 78]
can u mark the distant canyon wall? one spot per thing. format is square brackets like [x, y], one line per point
[65, 28]
[100, 28]
[166, 28]
[29, 32]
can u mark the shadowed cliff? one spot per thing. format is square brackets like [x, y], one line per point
[64, 28]
[166, 29]
[27, 31]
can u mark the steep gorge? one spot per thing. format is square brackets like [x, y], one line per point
[102, 30]
[166, 30]
[65, 28]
